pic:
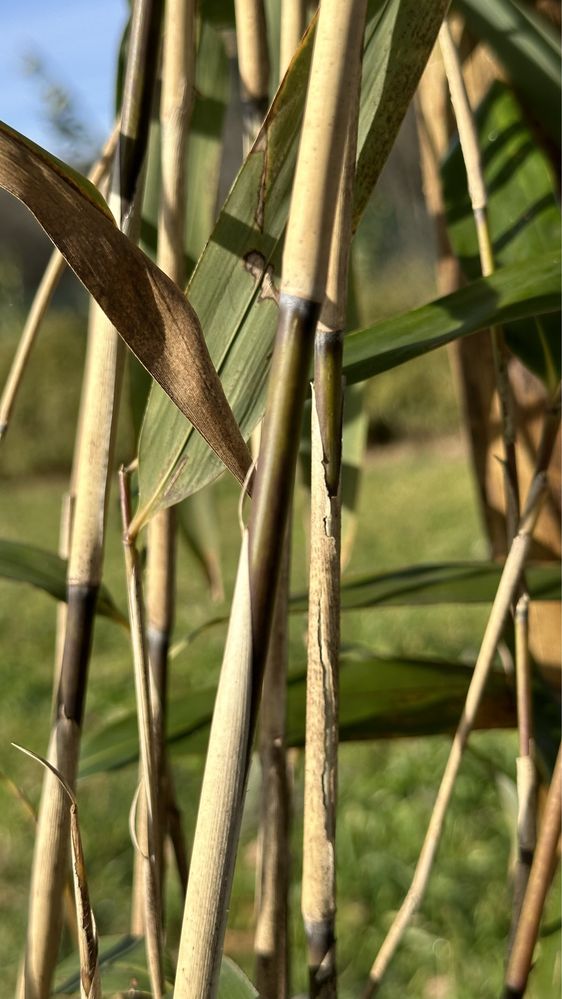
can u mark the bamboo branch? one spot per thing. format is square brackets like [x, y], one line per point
[540, 878]
[322, 690]
[178, 81]
[293, 23]
[253, 65]
[509, 583]
[271, 941]
[42, 299]
[526, 770]
[479, 201]
[150, 737]
[99, 409]
[305, 265]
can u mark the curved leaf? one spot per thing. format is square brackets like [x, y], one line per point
[47, 571]
[147, 309]
[523, 211]
[526, 289]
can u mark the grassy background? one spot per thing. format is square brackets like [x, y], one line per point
[416, 504]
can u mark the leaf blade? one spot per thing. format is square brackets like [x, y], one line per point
[146, 308]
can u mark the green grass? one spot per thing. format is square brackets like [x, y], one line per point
[416, 504]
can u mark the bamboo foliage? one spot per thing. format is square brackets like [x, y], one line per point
[349, 122]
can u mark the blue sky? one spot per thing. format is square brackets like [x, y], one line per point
[77, 41]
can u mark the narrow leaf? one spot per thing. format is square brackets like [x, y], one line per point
[524, 289]
[47, 571]
[380, 698]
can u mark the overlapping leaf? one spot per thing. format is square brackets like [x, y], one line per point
[146, 308]
[233, 287]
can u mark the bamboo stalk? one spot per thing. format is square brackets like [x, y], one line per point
[479, 201]
[220, 808]
[322, 691]
[305, 265]
[542, 870]
[176, 104]
[293, 23]
[99, 408]
[150, 737]
[253, 65]
[42, 299]
[271, 941]
[526, 770]
[509, 583]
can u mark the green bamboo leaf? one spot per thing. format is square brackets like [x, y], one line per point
[441, 583]
[520, 290]
[123, 964]
[524, 215]
[233, 983]
[419, 586]
[233, 287]
[122, 961]
[379, 698]
[146, 308]
[529, 49]
[45, 570]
